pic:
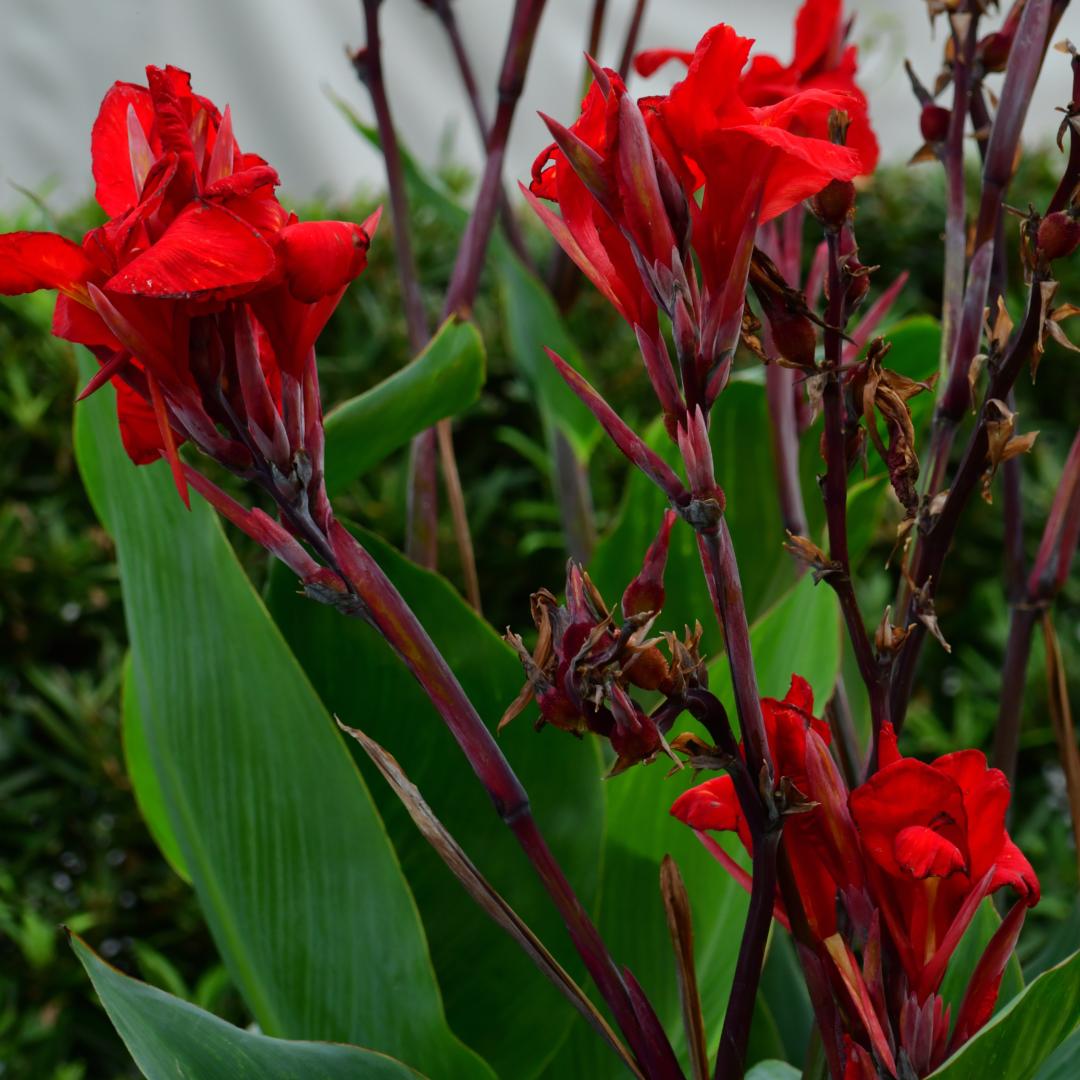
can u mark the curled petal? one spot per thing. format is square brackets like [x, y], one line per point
[39, 260]
[927, 853]
[206, 253]
[110, 145]
[321, 257]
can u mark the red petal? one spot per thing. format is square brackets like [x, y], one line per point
[109, 145]
[321, 257]
[138, 425]
[206, 253]
[801, 695]
[651, 60]
[926, 853]
[1014, 869]
[40, 260]
[907, 793]
[712, 805]
[816, 27]
[82, 325]
[888, 752]
[292, 326]
[242, 183]
[172, 122]
[168, 438]
[982, 990]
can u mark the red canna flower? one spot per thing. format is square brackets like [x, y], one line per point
[791, 728]
[627, 178]
[201, 296]
[822, 61]
[936, 844]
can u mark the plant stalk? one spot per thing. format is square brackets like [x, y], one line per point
[630, 44]
[936, 541]
[388, 612]
[836, 494]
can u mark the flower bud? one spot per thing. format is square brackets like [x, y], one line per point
[934, 123]
[794, 337]
[1059, 235]
[834, 202]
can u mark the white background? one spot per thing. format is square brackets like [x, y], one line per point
[272, 59]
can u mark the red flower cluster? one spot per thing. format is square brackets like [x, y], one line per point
[822, 61]
[201, 296]
[642, 184]
[909, 855]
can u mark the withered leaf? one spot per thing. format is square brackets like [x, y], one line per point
[489, 900]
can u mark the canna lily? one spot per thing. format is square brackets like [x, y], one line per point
[822, 61]
[701, 172]
[821, 850]
[201, 296]
[936, 844]
[911, 854]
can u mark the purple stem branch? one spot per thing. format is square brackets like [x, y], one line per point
[836, 494]
[465, 278]
[936, 541]
[631, 40]
[511, 226]
[722, 574]
[384, 607]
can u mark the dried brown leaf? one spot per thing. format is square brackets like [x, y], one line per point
[677, 908]
[488, 899]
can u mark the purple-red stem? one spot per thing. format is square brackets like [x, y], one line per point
[399, 626]
[836, 493]
[422, 500]
[955, 206]
[1022, 619]
[631, 40]
[935, 543]
[722, 574]
[465, 278]
[372, 75]
[444, 10]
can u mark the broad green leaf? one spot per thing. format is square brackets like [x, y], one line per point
[533, 322]
[1015, 1043]
[765, 1041]
[784, 988]
[800, 634]
[967, 955]
[140, 769]
[531, 316]
[298, 881]
[1064, 1062]
[773, 1070]
[444, 379]
[172, 1040]
[496, 1000]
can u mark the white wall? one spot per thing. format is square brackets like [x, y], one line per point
[271, 59]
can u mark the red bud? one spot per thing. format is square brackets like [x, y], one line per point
[834, 202]
[1059, 235]
[934, 123]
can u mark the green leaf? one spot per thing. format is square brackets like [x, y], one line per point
[172, 1040]
[496, 1000]
[1064, 1062]
[784, 988]
[140, 769]
[532, 322]
[967, 955]
[298, 881]
[800, 635]
[443, 380]
[1017, 1041]
[765, 1041]
[773, 1070]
